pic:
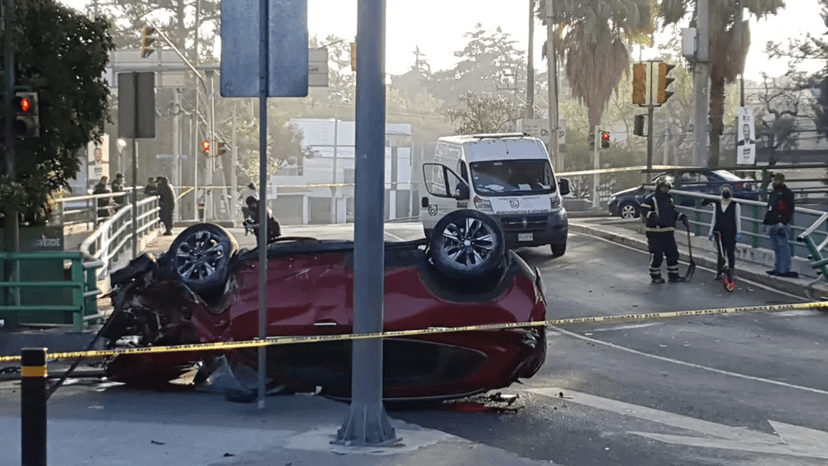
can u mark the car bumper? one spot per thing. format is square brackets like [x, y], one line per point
[534, 229]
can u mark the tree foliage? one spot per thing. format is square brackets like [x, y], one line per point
[62, 55]
[590, 38]
[483, 113]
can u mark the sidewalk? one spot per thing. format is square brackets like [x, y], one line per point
[129, 427]
[751, 263]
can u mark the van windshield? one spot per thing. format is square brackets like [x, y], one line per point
[511, 177]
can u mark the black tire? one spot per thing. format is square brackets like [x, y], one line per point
[467, 244]
[200, 257]
[558, 249]
[628, 210]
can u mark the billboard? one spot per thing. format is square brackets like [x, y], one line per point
[745, 137]
[98, 159]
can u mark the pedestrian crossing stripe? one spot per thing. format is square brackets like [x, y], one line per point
[288, 340]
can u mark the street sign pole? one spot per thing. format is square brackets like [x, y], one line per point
[11, 228]
[368, 423]
[263, 88]
[135, 168]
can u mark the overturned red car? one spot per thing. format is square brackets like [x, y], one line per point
[205, 290]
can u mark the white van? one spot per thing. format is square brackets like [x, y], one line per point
[506, 176]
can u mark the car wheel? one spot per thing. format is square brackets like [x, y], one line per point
[628, 210]
[467, 244]
[201, 256]
[558, 249]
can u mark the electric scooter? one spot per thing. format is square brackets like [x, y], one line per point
[727, 274]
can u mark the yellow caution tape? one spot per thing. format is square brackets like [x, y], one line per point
[288, 340]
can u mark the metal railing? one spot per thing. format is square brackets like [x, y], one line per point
[114, 236]
[809, 227]
[82, 283]
[75, 210]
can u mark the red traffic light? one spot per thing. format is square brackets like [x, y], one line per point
[205, 145]
[605, 136]
[22, 104]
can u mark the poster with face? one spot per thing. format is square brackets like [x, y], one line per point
[98, 161]
[745, 137]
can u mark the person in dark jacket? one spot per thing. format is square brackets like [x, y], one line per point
[273, 229]
[660, 217]
[151, 189]
[118, 187]
[166, 204]
[103, 203]
[777, 224]
[726, 222]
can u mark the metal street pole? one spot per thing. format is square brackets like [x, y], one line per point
[264, 66]
[194, 143]
[211, 159]
[552, 71]
[701, 88]
[12, 233]
[368, 423]
[135, 170]
[234, 205]
[596, 164]
[176, 181]
[333, 171]
[530, 64]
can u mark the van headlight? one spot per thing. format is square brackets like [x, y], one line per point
[554, 201]
[482, 205]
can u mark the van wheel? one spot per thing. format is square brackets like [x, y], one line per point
[467, 244]
[558, 249]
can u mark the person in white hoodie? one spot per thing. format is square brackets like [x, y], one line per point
[726, 222]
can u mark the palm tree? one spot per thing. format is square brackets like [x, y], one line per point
[592, 38]
[729, 43]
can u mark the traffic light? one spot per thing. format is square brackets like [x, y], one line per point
[638, 125]
[27, 122]
[205, 147]
[605, 139]
[639, 96]
[220, 149]
[146, 40]
[353, 56]
[664, 81]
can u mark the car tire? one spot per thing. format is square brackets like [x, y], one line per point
[200, 257]
[628, 210]
[558, 249]
[467, 244]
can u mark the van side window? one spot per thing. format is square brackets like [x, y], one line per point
[462, 170]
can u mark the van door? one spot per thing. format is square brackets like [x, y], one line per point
[446, 192]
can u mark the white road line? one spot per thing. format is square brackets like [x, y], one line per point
[625, 327]
[701, 267]
[689, 364]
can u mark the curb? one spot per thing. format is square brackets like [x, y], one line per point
[793, 286]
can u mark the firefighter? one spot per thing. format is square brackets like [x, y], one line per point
[660, 215]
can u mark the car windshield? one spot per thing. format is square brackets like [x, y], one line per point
[510, 177]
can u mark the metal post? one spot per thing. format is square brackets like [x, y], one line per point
[263, 81]
[650, 111]
[333, 171]
[211, 159]
[12, 233]
[176, 181]
[701, 88]
[368, 423]
[233, 179]
[530, 64]
[33, 397]
[596, 163]
[194, 142]
[135, 171]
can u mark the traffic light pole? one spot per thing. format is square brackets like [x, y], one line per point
[596, 164]
[11, 230]
[701, 90]
[650, 112]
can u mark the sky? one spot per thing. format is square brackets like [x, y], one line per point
[437, 27]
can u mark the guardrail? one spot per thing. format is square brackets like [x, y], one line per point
[809, 227]
[115, 234]
[82, 282]
[75, 210]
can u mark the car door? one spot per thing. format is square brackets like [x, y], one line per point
[445, 192]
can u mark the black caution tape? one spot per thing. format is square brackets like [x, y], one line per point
[288, 340]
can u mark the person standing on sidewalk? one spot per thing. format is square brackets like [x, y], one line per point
[660, 215]
[777, 224]
[726, 222]
[166, 204]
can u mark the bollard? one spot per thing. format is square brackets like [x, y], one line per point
[33, 406]
[201, 212]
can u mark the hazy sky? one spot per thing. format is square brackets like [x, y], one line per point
[438, 26]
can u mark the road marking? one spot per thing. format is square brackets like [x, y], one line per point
[625, 327]
[797, 314]
[791, 440]
[698, 267]
[689, 364]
